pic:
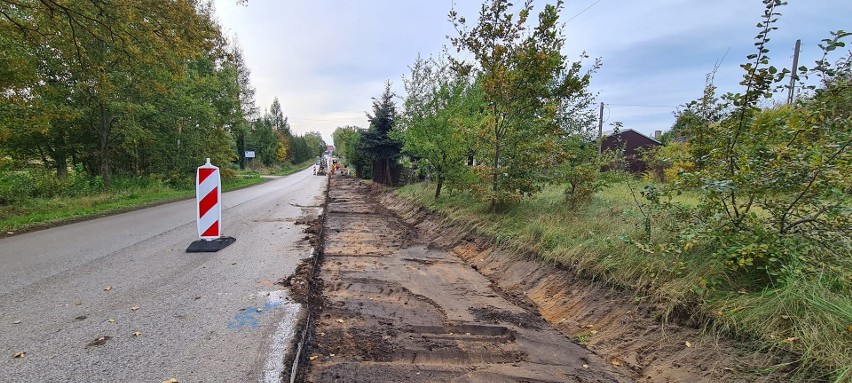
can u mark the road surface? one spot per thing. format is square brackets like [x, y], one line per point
[116, 299]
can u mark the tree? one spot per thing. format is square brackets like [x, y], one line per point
[347, 141]
[276, 117]
[265, 140]
[523, 77]
[316, 144]
[106, 64]
[441, 111]
[342, 139]
[248, 109]
[775, 181]
[376, 141]
[282, 129]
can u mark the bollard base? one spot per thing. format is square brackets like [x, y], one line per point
[211, 246]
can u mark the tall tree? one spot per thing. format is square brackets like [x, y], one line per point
[277, 118]
[347, 142]
[376, 141]
[248, 108]
[441, 113]
[281, 127]
[524, 77]
[110, 63]
[265, 140]
[342, 138]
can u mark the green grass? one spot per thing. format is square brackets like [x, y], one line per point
[37, 213]
[811, 316]
[284, 169]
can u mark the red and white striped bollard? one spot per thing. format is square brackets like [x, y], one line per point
[208, 196]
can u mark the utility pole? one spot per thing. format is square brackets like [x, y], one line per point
[600, 130]
[793, 76]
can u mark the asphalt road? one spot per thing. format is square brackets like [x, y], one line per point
[117, 299]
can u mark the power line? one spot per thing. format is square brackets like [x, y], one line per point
[581, 12]
[644, 106]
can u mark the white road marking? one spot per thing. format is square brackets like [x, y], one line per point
[284, 334]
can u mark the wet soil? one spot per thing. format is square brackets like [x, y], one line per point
[400, 295]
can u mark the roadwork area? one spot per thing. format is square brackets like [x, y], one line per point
[401, 294]
[395, 309]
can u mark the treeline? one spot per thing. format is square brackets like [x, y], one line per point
[131, 90]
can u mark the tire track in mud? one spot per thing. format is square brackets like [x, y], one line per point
[391, 308]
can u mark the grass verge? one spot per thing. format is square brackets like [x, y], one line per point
[37, 213]
[811, 316]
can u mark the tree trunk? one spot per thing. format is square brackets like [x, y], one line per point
[389, 179]
[494, 175]
[106, 170]
[438, 188]
[104, 132]
[241, 150]
[60, 160]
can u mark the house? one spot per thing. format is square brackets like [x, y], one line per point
[633, 144]
[329, 149]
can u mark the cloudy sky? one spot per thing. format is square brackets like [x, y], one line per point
[325, 59]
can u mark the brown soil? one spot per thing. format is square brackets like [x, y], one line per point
[402, 296]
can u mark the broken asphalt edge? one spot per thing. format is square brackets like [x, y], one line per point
[307, 320]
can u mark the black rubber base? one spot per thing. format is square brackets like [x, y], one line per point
[212, 246]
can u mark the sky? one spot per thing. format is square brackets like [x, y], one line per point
[326, 59]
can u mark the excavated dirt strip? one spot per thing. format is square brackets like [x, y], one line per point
[395, 309]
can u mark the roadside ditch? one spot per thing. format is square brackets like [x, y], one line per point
[397, 293]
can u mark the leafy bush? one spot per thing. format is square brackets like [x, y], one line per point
[17, 186]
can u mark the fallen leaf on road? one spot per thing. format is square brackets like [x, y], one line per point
[340, 321]
[313, 357]
[20, 354]
[19, 322]
[108, 288]
[137, 333]
[134, 308]
[585, 366]
[259, 309]
[99, 341]
[110, 320]
[687, 344]
[172, 380]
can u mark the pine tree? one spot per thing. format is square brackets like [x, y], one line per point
[376, 141]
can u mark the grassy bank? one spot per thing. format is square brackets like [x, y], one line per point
[33, 213]
[812, 316]
[30, 213]
[285, 169]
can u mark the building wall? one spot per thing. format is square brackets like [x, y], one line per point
[632, 142]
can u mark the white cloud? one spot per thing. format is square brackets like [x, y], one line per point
[325, 59]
